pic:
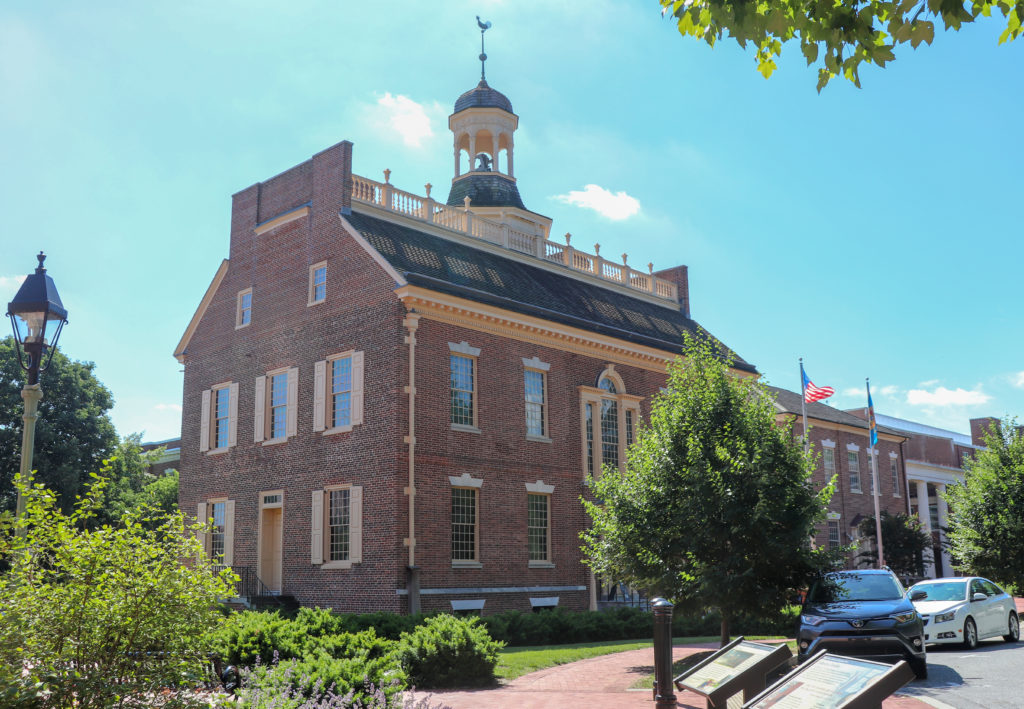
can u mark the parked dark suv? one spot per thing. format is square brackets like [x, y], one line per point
[862, 614]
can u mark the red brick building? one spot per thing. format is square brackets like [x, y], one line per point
[391, 403]
[840, 441]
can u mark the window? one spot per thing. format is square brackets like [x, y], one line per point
[895, 476]
[337, 527]
[833, 535]
[338, 395]
[829, 458]
[217, 533]
[464, 518]
[616, 415]
[537, 520]
[243, 315]
[218, 537]
[536, 421]
[853, 462]
[317, 283]
[462, 362]
[218, 426]
[276, 413]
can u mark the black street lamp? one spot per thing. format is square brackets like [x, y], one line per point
[33, 309]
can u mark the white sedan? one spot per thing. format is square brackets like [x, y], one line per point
[965, 610]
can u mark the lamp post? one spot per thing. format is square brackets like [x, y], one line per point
[34, 307]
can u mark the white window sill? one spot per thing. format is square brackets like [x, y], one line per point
[857, 492]
[239, 327]
[541, 565]
[467, 565]
[338, 429]
[465, 428]
[538, 439]
[315, 302]
[275, 441]
[218, 451]
[328, 565]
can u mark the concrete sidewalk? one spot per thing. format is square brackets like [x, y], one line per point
[598, 683]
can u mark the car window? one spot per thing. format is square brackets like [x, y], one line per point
[945, 591]
[992, 589]
[856, 587]
[976, 587]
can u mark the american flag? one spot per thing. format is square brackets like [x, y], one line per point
[812, 392]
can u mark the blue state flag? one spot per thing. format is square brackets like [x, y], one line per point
[872, 425]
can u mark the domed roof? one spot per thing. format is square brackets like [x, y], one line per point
[485, 190]
[483, 96]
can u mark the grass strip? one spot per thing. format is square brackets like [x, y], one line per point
[517, 661]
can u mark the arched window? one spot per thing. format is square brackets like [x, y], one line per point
[609, 416]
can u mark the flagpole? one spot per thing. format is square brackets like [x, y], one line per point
[874, 472]
[803, 404]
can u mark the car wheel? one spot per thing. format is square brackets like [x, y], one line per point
[1014, 629]
[970, 634]
[920, 668]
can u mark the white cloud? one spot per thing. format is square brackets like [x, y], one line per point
[409, 119]
[890, 391]
[168, 407]
[929, 383]
[946, 397]
[854, 391]
[613, 205]
[10, 283]
[1018, 380]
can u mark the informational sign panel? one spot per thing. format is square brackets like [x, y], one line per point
[834, 682]
[740, 666]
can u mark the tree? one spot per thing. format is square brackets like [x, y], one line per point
[986, 517]
[836, 36]
[715, 508]
[74, 434]
[105, 616]
[903, 543]
[127, 472]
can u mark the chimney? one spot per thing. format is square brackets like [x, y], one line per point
[981, 426]
[678, 275]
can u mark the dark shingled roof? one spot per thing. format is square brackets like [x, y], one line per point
[461, 270]
[789, 402]
[483, 96]
[485, 190]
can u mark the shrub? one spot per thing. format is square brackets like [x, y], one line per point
[446, 651]
[250, 637]
[108, 616]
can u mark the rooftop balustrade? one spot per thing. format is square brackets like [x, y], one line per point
[463, 220]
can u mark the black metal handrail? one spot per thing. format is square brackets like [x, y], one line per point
[249, 586]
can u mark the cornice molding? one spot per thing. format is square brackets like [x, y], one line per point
[179, 351]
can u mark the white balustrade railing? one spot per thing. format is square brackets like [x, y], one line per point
[387, 196]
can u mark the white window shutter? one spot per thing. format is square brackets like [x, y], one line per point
[316, 547]
[357, 388]
[229, 532]
[261, 402]
[293, 402]
[204, 423]
[233, 415]
[319, 395]
[202, 519]
[355, 501]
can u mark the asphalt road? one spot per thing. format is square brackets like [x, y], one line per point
[988, 677]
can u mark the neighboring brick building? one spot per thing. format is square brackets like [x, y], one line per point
[392, 403]
[840, 442]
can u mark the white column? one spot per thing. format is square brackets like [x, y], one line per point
[924, 514]
[457, 156]
[943, 510]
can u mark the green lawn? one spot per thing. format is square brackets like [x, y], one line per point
[517, 661]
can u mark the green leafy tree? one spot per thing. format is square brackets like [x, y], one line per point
[108, 616]
[715, 508]
[903, 543]
[127, 472]
[837, 36]
[986, 514]
[74, 434]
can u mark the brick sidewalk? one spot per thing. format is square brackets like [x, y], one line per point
[597, 683]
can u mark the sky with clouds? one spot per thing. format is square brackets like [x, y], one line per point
[874, 232]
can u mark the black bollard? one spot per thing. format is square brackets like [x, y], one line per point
[664, 694]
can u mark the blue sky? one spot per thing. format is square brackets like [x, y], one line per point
[875, 232]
